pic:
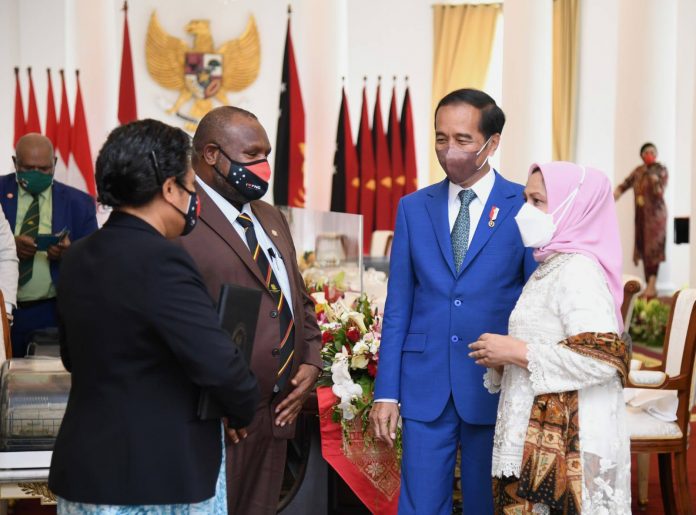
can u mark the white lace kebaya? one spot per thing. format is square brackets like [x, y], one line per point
[567, 295]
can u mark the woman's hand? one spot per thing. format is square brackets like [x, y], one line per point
[496, 350]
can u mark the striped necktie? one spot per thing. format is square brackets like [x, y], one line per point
[287, 325]
[460, 231]
[30, 227]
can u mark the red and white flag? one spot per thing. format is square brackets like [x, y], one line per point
[79, 144]
[62, 145]
[127, 108]
[19, 122]
[33, 122]
[51, 119]
[64, 125]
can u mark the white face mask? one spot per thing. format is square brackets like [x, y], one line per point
[538, 228]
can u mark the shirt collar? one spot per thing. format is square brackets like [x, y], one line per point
[482, 188]
[42, 196]
[223, 204]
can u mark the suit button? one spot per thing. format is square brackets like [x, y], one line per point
[274, 314]
[457, 302]
[275, 352]
[455, 338]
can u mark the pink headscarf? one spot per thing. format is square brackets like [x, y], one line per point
[589, 226]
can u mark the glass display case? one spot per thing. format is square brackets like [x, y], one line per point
[329, 248]
[33, 396]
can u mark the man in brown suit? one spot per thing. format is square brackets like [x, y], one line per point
[247, 242]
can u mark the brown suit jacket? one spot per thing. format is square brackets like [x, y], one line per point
[222, 257]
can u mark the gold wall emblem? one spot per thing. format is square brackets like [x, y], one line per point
[200, 72]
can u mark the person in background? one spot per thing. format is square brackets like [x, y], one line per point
[561, 442]
[141, 338]
[9, 272]
[35, 204]
[245, 241]
[648, 181]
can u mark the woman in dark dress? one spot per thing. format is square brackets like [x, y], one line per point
[141, 337]
[648, 181]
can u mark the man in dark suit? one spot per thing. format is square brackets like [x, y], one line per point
[245, 241]
[35, 204]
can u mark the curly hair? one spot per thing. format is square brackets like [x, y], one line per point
[137, 158]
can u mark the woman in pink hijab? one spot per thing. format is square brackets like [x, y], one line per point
[561, 444]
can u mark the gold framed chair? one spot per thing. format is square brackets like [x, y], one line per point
[632, 285]
[381, 242]
[669, 440]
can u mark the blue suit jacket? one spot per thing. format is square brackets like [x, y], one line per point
[72, 208]
[433, 312]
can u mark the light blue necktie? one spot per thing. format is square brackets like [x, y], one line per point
[460, 231]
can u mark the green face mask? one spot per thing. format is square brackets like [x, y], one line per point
[34, 181]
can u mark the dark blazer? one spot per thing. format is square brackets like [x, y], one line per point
[141, 337]
[222, 257]
[72, 208]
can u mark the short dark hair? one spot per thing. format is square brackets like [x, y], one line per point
[137, 158]
[213, 123]
[646, 146]
[492, 116]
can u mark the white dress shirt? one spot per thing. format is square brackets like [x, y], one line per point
[482, 188]
[266, 244]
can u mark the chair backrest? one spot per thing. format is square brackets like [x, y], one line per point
[380, 244]
[680, 345]
[632, 285]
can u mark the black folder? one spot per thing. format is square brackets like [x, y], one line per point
[238, 311]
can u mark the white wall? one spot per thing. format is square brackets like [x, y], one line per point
[598, 56]
[526, 86]
[332, 39]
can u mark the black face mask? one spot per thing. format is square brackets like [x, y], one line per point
[191, 214]
[247, 178]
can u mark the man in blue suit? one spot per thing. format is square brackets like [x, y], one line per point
[36, 205]
[457, 268]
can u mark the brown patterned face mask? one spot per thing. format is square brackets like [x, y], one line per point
[460, 165]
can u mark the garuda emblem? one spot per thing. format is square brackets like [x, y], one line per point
[201, 73]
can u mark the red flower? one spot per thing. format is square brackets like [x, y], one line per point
[372, 368]
[353, 334]
[326, 337]
[331, 293]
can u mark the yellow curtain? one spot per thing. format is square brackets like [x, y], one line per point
[565, 70]
[463, 39]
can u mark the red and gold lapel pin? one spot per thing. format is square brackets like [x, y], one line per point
[492, 216]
